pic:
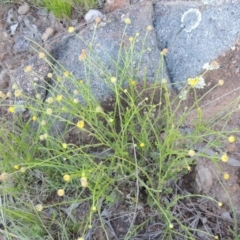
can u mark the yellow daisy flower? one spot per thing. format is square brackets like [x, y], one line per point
[127, 20]
[231, 139]
[11, 109]
[71, 29]
[60, 192]
[28, 69]
[224, 157]
[80, 124]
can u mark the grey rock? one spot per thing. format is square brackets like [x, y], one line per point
[21, 44]
[49, 32]
[4, 80]
[204, 179]
[189, 51]
[92, 14]
[23, 9]
[31, 83]
[104, 51]
[103, 54]
[13, 28]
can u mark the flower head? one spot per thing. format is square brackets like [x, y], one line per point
[131, 39]
[11, 109]
[60, 192]
[197, 82]
[191, 153]
[224, 157]
[66, 178]
[97, 20]
[64, 145]
[59, 98]
[164, 52]
[28, 69]
[38, 96]
[41, 55]
[171, 226]
[4, 176]
[94, 208]
[50, 100]
[150, 28]
[34, 118]
[220, 82]
[189, 168]
[80, 124]
[43, 122]
[84, 182]
[22, 169]
[17, 93]
[220, 204]
[49, 111]
[231, 139]
[127, 20]
[39, 207]
[133, 83]
[113, 79]
[16, 167]
[191, 19]
[66, 74]
[226, 176]
[2, 95]
[111, 120]
[71, 29]
[14, 86]
[82, 56]
[49, 75]
[43, 136]
[183, 95]
[142, 145]
[99, 109]
[164, 81]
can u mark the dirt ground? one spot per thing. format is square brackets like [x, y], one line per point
[205, 176]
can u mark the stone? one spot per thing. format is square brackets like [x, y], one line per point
[4, 80]
[21, 44]
[49, 32]
[24, 9]
[33, 82]
[92, 14]
[112, 5]
[204, 179]
[216, 31]
[104, 53]
[105, 48]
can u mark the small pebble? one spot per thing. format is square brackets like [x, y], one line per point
[92, 14]
[47, 34]
[23, 9]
